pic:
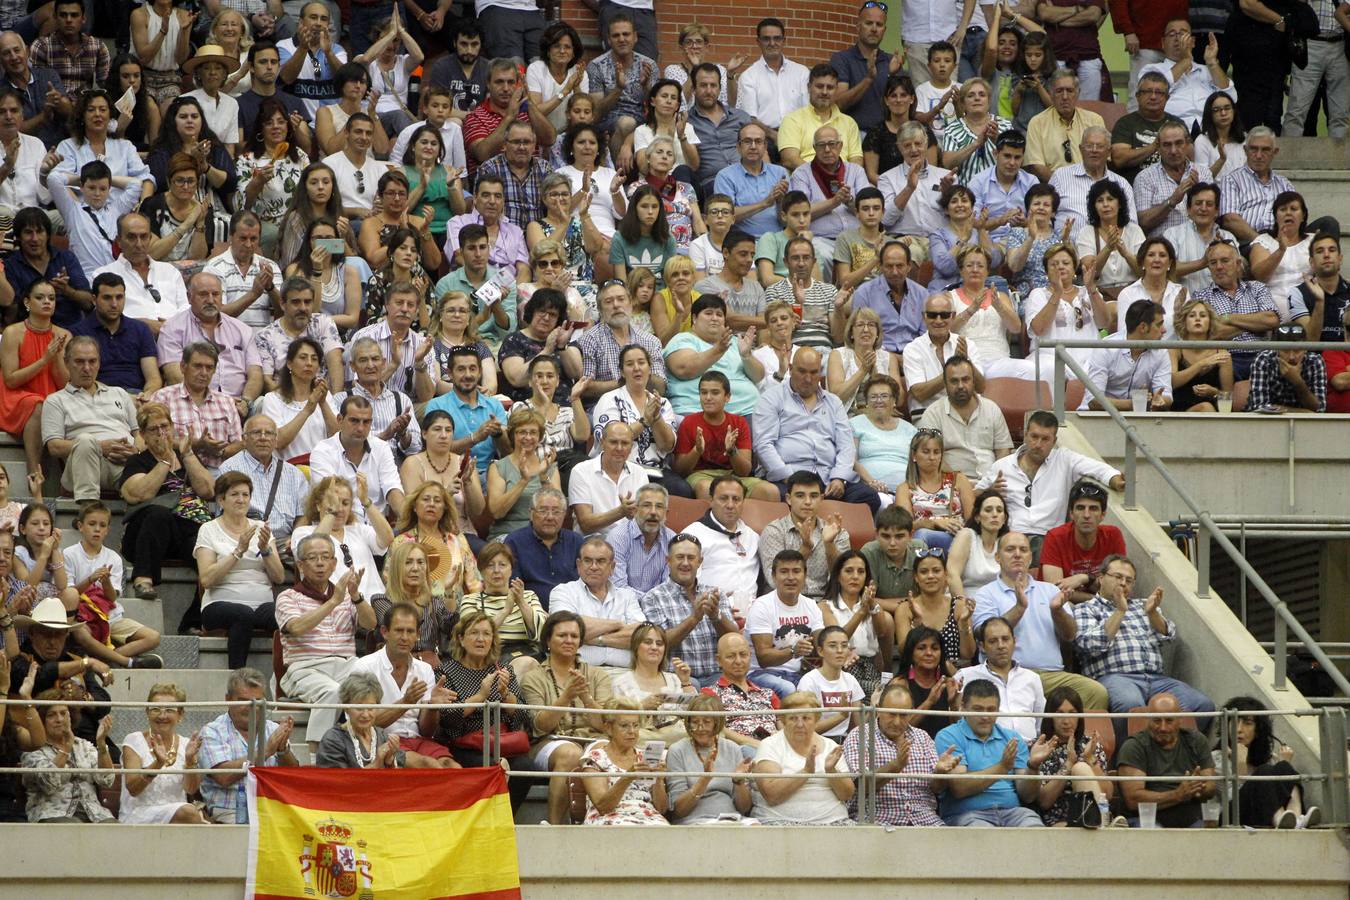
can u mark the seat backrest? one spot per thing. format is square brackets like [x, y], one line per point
[1110, 112]
[1017, 397]
[857, 520]
[683, 512]
[758, 513]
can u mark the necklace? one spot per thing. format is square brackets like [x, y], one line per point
[438, 470]
[363, 759]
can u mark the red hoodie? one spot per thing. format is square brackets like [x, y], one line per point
[1146, 19]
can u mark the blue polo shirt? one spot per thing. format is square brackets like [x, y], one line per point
[120, 353]
[544, 568]
[898, 326]
[21, 275]
[851, 68]
[467, 419]
[744, 189]
[1037, 643]
[976, 754]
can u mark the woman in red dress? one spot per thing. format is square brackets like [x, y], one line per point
[32, 359]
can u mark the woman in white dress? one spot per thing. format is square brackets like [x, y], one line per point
[972, 563]
[160, 798]
[1063, 310]
[861, 357]
[299, 406]
[985, 316]
[1158, 259]
[581, 151]
[1280, 256]
[1111, 242]
[649, 416]
[557, 73]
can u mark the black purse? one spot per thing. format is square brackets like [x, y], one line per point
[1083, 810]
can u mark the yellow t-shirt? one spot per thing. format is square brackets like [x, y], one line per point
[799, 127]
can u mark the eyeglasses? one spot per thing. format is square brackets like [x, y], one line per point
[942, 314]
[521, 142]
[1151, 91]
[1177, 32]
[317, 557]
[930, 553]
[190, 181]
[829, 145]
[1068, 150]
[360, 182]
[259, 433]
[753, 142]
[160, 710]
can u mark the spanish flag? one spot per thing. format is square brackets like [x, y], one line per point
[381, 834]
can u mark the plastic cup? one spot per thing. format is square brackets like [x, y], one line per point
[1139, 400]
[1210, 808]
[1148, 815]
[1225, 404]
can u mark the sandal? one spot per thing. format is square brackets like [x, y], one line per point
[145, 590]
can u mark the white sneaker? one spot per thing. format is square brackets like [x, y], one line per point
[1286, 818]
[1310, 819]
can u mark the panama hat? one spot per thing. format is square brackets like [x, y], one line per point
[50, 613]
[211, 53]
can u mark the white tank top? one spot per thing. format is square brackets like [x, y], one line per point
[165, 58]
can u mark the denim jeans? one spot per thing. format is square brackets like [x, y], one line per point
[934, 538]
[781, 681]
[996, 817]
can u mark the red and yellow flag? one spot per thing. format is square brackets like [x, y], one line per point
[381, 834]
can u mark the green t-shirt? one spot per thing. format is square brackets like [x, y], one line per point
[891, 580]
[644, 253]
[772, 245]
[1163, 767]
[683, 393]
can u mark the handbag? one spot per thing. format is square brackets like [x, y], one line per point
[514, 743]
[1083, 810]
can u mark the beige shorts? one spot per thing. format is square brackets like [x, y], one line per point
[122, 630]
[702, 475]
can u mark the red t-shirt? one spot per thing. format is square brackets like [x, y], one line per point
[714, 439]
[1061, 549]
[1337, 361]
[480, 123]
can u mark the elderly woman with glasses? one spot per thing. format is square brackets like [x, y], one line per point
[718, 795]
[882, 438]
[936, 497]
[359, 743]
[797, 750]
[567, 221]
[160, 797]
[861, 357]
[933, 607]
[1061, 310]
[544, 328]
[552, 269]
[635, 792]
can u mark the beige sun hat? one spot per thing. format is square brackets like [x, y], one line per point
[211, 53]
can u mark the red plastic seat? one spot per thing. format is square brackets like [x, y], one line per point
[857, 520]
[683, 512]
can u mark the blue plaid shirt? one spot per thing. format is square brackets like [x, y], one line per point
[1269, 387]
[221, 742]
[668, 605]
[1135, 650]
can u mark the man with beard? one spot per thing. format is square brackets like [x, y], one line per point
[238, 372]
[464, 72]
[601, 345]
[974, 432]
[129, 357]
[641, 543]
[480, 420]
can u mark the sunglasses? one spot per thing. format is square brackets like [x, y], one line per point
[1068, 150]
[153, 292]
[875, 4]
[1294, 331]
[936, 315]
[1027, 499]
[361, 181]
[930, 553]
[346, 555]
[928, 432]
[1091, 491]
[685, 536]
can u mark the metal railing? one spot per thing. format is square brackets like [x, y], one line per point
[1332, 776]
[1285, 620]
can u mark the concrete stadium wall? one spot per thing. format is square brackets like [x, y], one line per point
[204, 863]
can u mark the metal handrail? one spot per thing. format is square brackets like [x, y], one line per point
[1285, 619]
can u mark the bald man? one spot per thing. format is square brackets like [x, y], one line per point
[1165, 751]
[799, 427]
[738, 693]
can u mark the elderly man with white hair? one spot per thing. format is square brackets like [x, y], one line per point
[1073, 182]
[1247, 196]
[911, 192]
[239, 367]
[832, 184]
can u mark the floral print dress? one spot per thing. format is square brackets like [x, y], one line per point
[635, 807]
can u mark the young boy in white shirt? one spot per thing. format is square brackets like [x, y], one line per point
[935, 96]
[832, 685]
[91, 215]
[90, 565]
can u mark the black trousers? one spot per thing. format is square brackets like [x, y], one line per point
[1260, 70]
[240, 621]
[154, 535]
[1259, 799]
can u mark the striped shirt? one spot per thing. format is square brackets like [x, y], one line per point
[900, 801]
[1073, 184]
[957, 136]
[1245, 195]
[1153, 186]
[335, 635]
[384, 408]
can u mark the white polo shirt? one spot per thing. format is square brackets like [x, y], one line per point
[620, 604]
[358, 193]
[1022, 692]
[382, 668]
[590, 484]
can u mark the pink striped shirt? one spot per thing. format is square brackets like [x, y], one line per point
[335, 635]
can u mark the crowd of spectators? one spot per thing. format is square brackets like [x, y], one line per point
[434, 338]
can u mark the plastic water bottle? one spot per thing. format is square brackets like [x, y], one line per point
[1104, 808]
[240, 807]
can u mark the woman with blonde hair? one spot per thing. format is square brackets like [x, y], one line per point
[938, 499]
[570, 225]
[635, 794]
[407, 579]
[641, 284]
[718, 794]
[1198, 376]
[230, 32]
[672, 307]
[695, 38]
[452, 325]
[796, 749]
[649, 683]
[161, 797]
[514, 479]
[329, 513]
[861, 357]
[549, 263]
[429, 518]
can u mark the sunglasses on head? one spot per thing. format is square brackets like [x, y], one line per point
[1091, 491]
[685, 536]
[360, 182]
[930, 553]
[875, 4]
[1027, 499]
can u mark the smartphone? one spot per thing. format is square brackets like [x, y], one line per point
[575, 325]
[652, 752]
[334, 246]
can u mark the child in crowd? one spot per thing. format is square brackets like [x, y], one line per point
[642, 238]
[436, 108]
[794, 211]
[95, 571]
[91, 217]
[713, 442]
[1031, 92]
[10, 510]
[933, 99]
[706, 249]
[832, 685]
[37, 556]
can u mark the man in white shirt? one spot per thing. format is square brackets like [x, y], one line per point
[773, 85]
[730, 547]
[354, 451]
[911, 191]
[1120, 371]
[250, 280]
[405, 679]
[357, 171]
[926, 356]
[602, 491]
[974, 432]
[155, 290]
[20, 184]
[1019, 688]
[1035, 480]
[1190, 83]
[782, 626]
[610, 612]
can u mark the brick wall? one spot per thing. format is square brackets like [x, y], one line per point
[814, 31]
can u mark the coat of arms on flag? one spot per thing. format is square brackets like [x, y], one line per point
[381, 834]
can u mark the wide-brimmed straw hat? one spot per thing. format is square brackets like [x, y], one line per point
[211, 53]
[50, 613]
